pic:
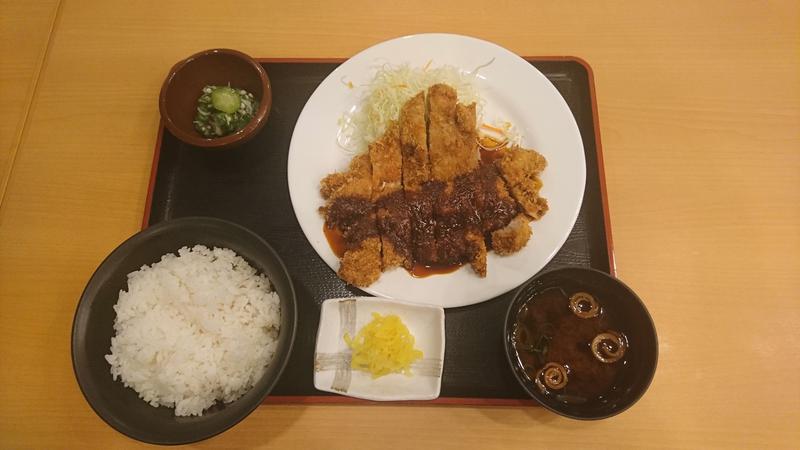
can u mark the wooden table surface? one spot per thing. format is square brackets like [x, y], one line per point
[699, 106]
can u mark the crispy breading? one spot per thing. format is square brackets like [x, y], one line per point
[466, 120]
[390, 257]
[477, 248]
[420, 193]
[361, 262]
[354, 187]
[355, 181]
[527, 195]
[495, 205]
[451, 142]
[454, 154]
[511, 238]
[360, 166]
[519, 163]
[414, 143]
[387, 163]
[520, 168]
[331, 183]
[362, 266]
[502, 189]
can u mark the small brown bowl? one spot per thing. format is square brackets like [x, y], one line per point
[184, 85]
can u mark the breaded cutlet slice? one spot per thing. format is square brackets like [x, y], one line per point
[421, 207]
[511, 238]
[453, 155]
[496, 206]
[414, 143]
[518, 163]
[355, 181]
[477, 249]
[452, 147]
[392, 213]
[362, 266]
[527, 195]
[394, 254]
[459, 237]
[520, 168]
[361, 263]
[391, 256]
[466, 120]
[387, 163]
[420, 193]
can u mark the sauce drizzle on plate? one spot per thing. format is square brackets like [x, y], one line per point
[335, 240]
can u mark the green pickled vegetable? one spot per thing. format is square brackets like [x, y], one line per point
[223, 110]
[226, 99]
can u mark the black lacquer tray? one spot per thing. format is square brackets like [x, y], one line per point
[248, 185]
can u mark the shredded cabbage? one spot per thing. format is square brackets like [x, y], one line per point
[383, 346]
[391, 87]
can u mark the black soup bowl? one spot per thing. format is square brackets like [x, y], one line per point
[555, 335]
[93, 327]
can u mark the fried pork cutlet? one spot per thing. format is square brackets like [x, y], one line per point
[387, 163]
[420, 192]
[458, 224]
[496, 207]
[387, 193]
[520, 168]
[454, 155]
[476, 246]
[456, 214]
[414, 144]
[502, 218]
[394, 225]
[511, 238]
[362, 266]
[421, 195]
[451, 134]
[350, 211]
[423, 223]
[355, 181]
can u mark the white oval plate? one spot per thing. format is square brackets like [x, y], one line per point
[513, 90]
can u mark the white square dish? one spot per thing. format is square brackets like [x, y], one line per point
[332, 372]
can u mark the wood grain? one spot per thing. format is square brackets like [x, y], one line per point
[24, 32]
[699, 106]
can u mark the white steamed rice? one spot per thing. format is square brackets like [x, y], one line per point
[193, 329]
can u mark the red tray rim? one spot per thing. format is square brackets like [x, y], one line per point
[453, 401]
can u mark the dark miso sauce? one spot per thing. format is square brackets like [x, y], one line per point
[433, 229]
[335, 240]
[490, 156]
[418, 270]
[547, 331]
[422, 271]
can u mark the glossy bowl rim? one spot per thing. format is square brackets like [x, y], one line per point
[256, 123]
[133, 240]
[511, 358]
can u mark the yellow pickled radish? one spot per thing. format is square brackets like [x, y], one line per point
[383, 346]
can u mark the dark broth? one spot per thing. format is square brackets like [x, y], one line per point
[546, 330]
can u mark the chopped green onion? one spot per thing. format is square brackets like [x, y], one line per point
[223, 110]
